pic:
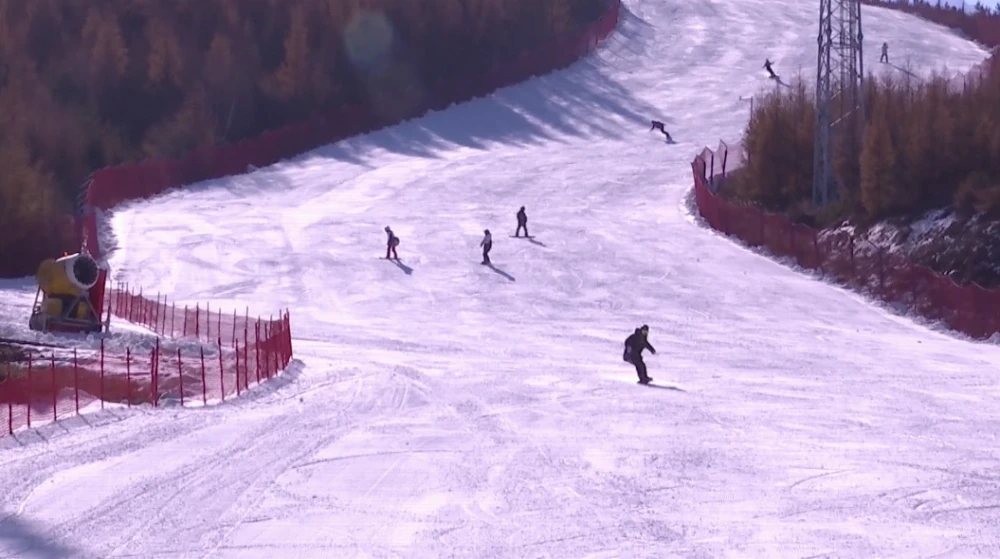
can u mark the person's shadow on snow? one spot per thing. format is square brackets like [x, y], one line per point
[406, 269]
[531, 240]
[781, 83]
[665, 387]
[30, 539]
[501, 272]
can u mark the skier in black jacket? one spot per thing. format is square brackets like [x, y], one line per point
[522, 222]
[634, 345]
[391, 243]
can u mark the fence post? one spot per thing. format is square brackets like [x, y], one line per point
[237, 369]
[197, 320]
[218, 327]
[30, 390]
[204, 388]
[142, 309]
[154, 373]
[107, 317]
[185, 321]
[267, 358]
[128, 377]
[101, 387]
[55, 393]
[208, 321]
[156, 314]
[10, 404]
[76, 382]
[288, 336]
[180, 375]
[234, 340]
[246, 354]
[222, 370]
[256, 346]
[277, 362]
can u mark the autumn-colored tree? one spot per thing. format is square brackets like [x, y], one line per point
[89, 84]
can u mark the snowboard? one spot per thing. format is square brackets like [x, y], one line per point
[522, 237]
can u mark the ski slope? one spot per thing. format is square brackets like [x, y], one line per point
[444, 409]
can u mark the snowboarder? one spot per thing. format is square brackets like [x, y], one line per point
[391, 244]
[487, 244]
[522, 221]
[634, 345]
[767, 66]
[657, 125]
[885, 53]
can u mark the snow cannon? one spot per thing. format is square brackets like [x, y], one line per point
[63, 302]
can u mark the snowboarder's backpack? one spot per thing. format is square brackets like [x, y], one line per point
[394, 241]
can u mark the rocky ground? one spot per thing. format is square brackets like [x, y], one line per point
[965, 249]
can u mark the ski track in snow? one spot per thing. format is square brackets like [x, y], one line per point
[440, 408]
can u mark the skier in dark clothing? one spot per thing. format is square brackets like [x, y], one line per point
[391, 243]
[634, 345]
[522, 221]
[487, 244]
[657, 125]
[767, 66]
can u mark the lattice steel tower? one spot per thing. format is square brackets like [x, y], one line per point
[840, 108]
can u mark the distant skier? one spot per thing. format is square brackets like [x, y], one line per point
[767, 66]
[885, 53]
[657, 125]
[634, 345]
[522, 222]
[391, 243]
[487, 244]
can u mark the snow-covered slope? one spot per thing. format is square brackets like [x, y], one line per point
[447, 409]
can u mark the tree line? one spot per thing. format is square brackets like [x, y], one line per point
[928, 144]
[84, 85]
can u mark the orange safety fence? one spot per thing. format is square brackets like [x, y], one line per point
[38, 390]
[892, 277]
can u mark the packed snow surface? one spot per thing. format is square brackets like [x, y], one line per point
[441, 408]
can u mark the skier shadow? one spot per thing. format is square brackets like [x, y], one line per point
[28, 537]
[903, 70]
[532, 241]
[501, 272]
[406, 269]
[665, 387]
